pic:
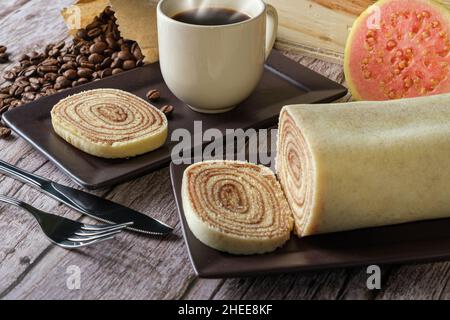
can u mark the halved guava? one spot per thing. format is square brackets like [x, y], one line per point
[399, 49]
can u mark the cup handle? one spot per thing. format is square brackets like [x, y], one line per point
[271, 28]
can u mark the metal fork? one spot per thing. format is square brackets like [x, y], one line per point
[67, 233]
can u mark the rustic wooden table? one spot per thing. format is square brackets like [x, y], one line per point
[138, 267]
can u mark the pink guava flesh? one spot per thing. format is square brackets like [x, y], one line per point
[405, 55]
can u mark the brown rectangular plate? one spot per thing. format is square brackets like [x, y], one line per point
[284, 82]
[423, 241]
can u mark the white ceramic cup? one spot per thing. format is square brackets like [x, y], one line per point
[214, 68]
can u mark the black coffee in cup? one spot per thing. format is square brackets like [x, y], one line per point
[211, 16]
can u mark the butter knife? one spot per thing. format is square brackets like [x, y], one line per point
[89, 204]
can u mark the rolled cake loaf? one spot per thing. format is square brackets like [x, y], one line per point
[109, 123]
[236, 207]
[365, 164]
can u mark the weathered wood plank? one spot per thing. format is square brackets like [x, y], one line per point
[422, 282]
[139, 267]
[30, 25]
[318, 28]
[132, 267]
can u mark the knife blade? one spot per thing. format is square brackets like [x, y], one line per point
[88, 204]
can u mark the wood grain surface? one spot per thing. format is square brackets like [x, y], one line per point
[139, 267]
[319, 28]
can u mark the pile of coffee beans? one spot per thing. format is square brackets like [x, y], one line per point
[98, 51]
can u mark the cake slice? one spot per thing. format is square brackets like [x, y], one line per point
[236, 207]
[109, 123]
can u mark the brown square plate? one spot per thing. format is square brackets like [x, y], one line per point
[423, 241]
[284, 82]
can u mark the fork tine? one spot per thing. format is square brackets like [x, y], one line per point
[75, 245]
[90, 238]
[82, 232]
[104, 227]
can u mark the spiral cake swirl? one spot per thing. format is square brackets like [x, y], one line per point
[356, 165]
[109, 123]
[295, 170]
[236, 207]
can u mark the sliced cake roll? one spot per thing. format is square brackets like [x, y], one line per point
[236, 207]
[109, 123]
[365, 164]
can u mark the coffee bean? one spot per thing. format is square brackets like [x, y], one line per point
[35, 86]
[29, 96]
[129, 64]
[117, 63]
[36, 58]
[48, 69]
[96, 58]
[29, 89]
[5, 89]
[106, 63]
[33, 55]
[9, 76]
[153, 95]
[82, 81]
[30, 71]
[34, 80]
[137, 52]
[98, 47]
[109, 12]
[4, 58]
[69, 65]
[24, 57]
[84, 50]
[85, 72]
[112, 43]
[70, 74]
[51, 77]
[3, 107]
[22, 82]
[16, 69]
[69, 58]
[16, 91]
[117, 71]
[93, 25]
[87, 65]
[106, 73]
[50, 91]
[80, 59]
[4, 132]
[94, 32]
[49, 62]
[14, 104]
[25, 64]
[82, 34]
[62, 84]
[167, 110]
[54, 52]
[3, 49]
[125, 55]
[60, 45]
[61, 79]
[101, 37]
